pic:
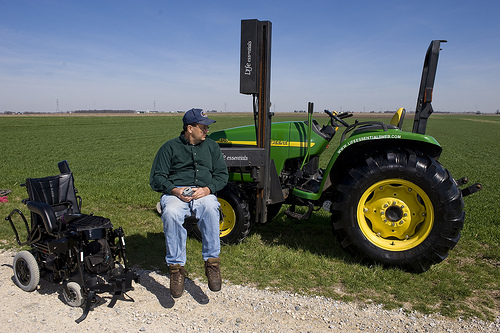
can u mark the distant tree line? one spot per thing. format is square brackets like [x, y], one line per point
[103, 111]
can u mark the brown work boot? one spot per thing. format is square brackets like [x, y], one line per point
[177, 276]
[212, 271]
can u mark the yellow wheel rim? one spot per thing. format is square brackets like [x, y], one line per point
[228, 220]
[395, 215]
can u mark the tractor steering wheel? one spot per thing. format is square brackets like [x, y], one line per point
[337, 119]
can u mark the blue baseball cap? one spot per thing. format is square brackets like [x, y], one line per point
[196, 116]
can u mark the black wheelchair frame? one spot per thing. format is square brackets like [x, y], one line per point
[82, 252]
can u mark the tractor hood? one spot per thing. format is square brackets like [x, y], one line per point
[288, 140]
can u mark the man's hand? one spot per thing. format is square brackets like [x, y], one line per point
[177, 191]
[198, 192]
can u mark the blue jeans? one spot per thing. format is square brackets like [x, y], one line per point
[174, 210]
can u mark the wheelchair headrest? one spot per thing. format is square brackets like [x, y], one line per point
[64, 167]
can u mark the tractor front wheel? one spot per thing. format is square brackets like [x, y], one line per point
[398, 208]
[235, 221]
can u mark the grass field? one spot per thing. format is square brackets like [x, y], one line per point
[111, 158]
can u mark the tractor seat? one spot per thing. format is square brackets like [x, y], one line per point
[395, 123]
[398, 118]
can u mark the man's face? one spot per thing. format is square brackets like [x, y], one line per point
[198, 133]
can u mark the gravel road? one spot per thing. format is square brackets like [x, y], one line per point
[234, 309]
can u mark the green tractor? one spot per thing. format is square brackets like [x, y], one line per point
[391, 201]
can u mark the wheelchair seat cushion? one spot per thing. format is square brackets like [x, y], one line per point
[88, 222]
[93, 227]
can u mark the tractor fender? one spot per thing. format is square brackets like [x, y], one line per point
[363, 143]
[358, 147]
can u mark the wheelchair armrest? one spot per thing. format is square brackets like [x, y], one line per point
[46, 213]
[68, 218]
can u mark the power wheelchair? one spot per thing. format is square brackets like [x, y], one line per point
[83, 253]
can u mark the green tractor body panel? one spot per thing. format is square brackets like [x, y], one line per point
[288, 141]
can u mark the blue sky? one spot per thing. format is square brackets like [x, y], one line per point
[175, 55]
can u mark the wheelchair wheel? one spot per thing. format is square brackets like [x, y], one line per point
[73, 294]
[26, 271]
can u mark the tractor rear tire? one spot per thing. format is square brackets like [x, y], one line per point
[398, 208]
[235, 224]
